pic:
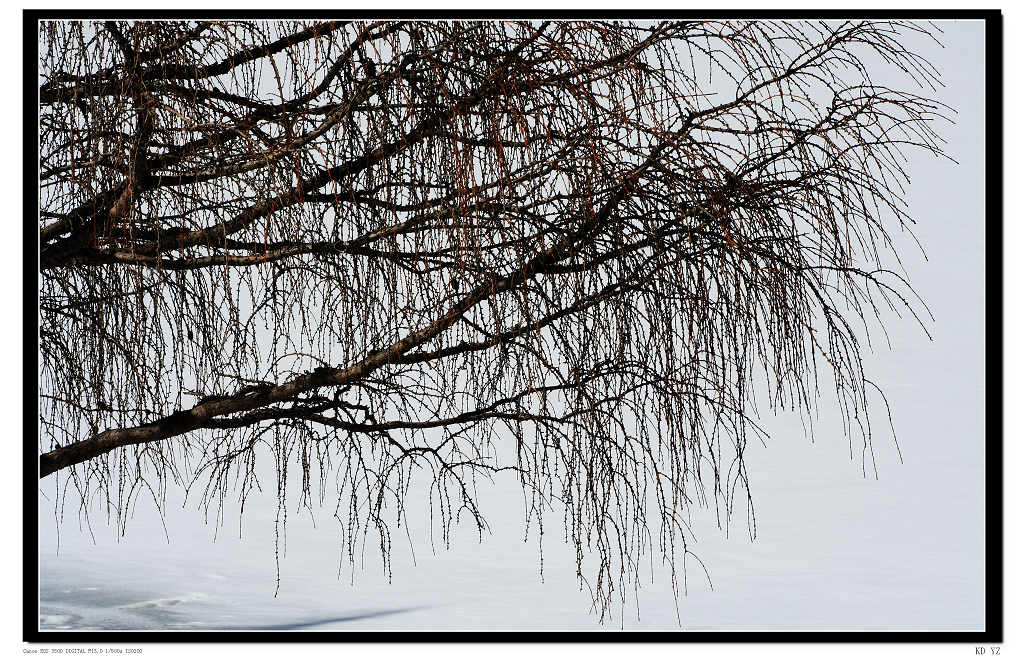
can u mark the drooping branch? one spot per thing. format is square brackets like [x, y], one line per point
[200, 415]
[395, 248]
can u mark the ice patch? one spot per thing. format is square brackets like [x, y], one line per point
[166, 602]
[57, 621]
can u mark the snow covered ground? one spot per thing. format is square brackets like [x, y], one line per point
[834, 550]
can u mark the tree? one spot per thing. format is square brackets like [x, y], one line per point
[576, 251]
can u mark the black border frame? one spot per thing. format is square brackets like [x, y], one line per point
[994, 495]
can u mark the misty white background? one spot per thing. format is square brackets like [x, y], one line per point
[833, 549]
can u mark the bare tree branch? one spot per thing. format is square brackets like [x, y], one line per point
[384, 250]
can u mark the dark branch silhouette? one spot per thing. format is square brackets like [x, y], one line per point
[575, 251]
